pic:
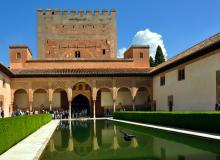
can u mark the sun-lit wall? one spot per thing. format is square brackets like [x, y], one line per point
[5, 93]
[106, 99]
[197, 92]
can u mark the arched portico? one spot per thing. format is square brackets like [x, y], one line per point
[40, 99]
[81, 104]
[142, 99]
[104, 100]
[59, 99]
[21, 100]
[82, 99]
[124, 99]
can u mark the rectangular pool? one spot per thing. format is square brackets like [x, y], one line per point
[108, 140]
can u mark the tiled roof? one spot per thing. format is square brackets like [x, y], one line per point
[5, 70]
[196, 51]
[80, 60]
[79, 72]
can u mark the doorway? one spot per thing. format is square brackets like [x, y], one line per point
[81, 105]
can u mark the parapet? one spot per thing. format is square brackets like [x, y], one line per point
[20, 46]
[81, 13]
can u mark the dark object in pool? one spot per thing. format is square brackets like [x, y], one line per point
[127, 136]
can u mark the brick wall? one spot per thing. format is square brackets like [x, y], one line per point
[60, 34]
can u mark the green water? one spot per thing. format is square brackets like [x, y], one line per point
[103, 140]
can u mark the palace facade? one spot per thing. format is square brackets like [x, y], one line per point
[77, 68]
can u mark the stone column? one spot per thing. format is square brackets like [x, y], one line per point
[94, 93]
[30, 106]
[69, 96]
[50, 103]
[94, 114]
[133, 94]
[11, 109]
[70, 111]
[50, 96]
[114, 105]
[30, 99]
[133, 104]
[114, 96]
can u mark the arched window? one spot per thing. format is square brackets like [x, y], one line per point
[18, 55]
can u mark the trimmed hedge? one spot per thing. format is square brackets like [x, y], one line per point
[201, 121]
[14, 129]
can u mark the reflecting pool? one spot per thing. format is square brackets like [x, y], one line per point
[106, 140]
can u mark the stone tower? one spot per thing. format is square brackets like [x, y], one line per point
[86, 34]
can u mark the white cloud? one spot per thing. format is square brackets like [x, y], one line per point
[147, 37]
[120, 53]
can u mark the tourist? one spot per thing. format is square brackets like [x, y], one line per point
[2, 114]
[107, 112]
[216, 107]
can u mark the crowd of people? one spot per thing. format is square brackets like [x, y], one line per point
[20, 112]
[56, 113]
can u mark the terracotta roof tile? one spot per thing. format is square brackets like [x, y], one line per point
[79, 72]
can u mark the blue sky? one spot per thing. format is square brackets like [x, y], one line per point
[180, 23]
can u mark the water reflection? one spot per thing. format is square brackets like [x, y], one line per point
[101, 139]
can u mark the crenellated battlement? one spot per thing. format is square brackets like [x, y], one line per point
[81, 13]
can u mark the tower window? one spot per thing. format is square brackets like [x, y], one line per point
[181, 74]
[162, 80]
[4, 83]
[77, 54]
[141, 55]
[103, 51]
[18, 55]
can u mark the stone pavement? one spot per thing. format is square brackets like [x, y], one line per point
[31, 147]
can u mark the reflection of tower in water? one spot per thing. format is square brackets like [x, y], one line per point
[81, 134]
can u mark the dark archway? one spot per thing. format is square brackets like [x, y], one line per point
[80, 103]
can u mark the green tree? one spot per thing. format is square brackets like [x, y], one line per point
[159, 57]
[152, 62]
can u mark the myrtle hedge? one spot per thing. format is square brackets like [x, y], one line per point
[14, 129]
[201, 121]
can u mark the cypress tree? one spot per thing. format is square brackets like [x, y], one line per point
[159, 57]
[152, 62]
